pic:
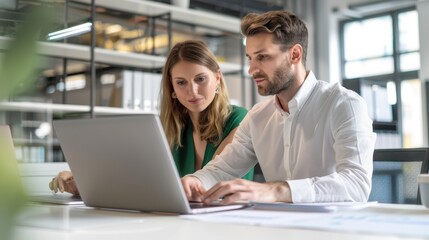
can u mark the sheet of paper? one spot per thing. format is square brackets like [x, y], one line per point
[398, 223]
[311, 207]
[255, 217]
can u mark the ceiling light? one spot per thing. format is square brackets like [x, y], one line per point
[70, 32]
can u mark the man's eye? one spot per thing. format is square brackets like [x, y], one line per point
[261, 57]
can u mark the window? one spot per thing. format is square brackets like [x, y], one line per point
[408, 28]
[381, 54]
[368, 47]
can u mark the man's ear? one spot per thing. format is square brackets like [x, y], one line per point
[295, 53]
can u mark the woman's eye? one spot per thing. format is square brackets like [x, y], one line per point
[201, 79]
[180, 82]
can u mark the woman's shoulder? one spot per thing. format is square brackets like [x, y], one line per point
[236, 115]
[237, 111]
[235, 108]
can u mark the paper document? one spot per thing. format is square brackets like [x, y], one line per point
[375, 220]
[311, 207]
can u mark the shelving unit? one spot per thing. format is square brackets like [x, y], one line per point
[128, 59]
[106, 56]
[189, 16]
[63, 108]
[211, 22]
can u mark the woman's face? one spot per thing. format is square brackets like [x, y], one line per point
[194, 85]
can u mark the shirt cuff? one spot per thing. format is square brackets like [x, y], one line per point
[205, 179]
[302, 190]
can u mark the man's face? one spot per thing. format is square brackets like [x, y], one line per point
[269, 66]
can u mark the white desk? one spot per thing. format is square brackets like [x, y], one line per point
[75, 223]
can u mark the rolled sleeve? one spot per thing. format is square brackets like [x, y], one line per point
[302, 190]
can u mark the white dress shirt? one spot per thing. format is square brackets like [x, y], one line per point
[323, 148]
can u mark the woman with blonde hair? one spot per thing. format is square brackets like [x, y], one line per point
[195, 112]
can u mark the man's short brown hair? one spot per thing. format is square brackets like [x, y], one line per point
[287, 28]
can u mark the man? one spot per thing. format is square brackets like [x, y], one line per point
[313, 140]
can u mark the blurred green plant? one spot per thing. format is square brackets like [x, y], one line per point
[20, 59]
[17, 68]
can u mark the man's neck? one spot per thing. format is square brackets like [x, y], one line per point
[285, 96]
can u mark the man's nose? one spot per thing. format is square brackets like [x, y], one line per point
[253, 68]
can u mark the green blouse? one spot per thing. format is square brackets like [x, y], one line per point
[185, 156]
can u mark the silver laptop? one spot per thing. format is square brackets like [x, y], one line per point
[125, 162]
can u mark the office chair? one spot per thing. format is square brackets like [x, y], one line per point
[395, 174]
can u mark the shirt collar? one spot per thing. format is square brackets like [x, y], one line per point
[301, 96]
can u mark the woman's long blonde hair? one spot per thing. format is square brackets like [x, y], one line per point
[174, 115]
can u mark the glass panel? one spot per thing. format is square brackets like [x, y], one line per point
[377, 99]
[409, 61]
[408, 31]
[412, 125]
[368, 38]
[369, 67]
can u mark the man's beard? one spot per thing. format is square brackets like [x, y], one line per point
[282, 80]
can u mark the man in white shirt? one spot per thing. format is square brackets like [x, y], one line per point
[313, 140]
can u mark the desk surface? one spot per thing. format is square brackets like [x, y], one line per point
[42, 221]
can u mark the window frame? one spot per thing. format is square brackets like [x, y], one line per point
[397, 76]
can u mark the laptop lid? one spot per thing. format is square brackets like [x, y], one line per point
[123, 162]
[7, 146]
[10, 181]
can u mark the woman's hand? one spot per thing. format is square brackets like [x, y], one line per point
[64, 182]
[193, 188]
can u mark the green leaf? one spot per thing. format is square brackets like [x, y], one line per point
[17, 72]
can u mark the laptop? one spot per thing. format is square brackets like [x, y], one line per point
[8, 162]
[57, 198]
[9, 151]
[124, 162]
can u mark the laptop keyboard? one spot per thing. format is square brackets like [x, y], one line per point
[195, 205]
[57, 198]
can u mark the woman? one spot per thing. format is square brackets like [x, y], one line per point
[195, 112]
